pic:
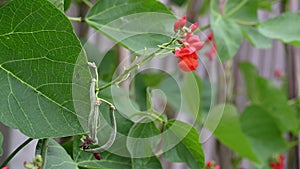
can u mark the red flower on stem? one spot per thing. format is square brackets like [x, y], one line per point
[187, 54]
[188, 59]
[180, 23]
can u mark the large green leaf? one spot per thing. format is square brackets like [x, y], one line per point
[229, 131]
[148, 162]
[262, 132]
[171, 90]
[227, 33]
[284, 27]
[38, 55]
[103, 164]
[242, 10]
[136, 24]
[261, 91]
[255, 38]
[56, 156]
[1, 141]
[191, 91]
[181, 144]
[143, 139]
[58, 3]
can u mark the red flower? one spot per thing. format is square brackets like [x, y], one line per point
[208, 164]
[211, 165]
[212, 52]
[210, 37]
[278, 162]
[277, 73]
[5, 167]
[180, 23]
[193, 41]
[193, 27]
[188, 59]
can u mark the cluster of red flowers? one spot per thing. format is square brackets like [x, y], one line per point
[190, 44]
[277, 162]
[187, 54]
[211, 165]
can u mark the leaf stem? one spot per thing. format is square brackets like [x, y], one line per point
[44, 149]
[245, 22]
[151, 114]
[76, 19]
[237, 8]
[123, 76]
[15, 152]
[88, 3]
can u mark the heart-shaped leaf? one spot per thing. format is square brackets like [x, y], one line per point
[229, 130]
[56, 156]
[260, 128]
[181, 144]
[283, 27]
[136, 24]
[39, 56]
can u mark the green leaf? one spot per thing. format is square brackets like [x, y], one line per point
[262, 132]
[243, 10]
[191, 91]
[181, 144]
[67, 4]
[103, 164]
[134, 24]
[229, 130]
[144, 80]
[283, 27]
[57, 157]
[261, 91]
[149, 163]
[58, 3]
[171, 89]
[37, 63]
[266, 4]
[255, 38]
[179, 2]
[143, 138]
[1, 142]
[227, 33]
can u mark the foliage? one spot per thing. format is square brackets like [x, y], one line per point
[54, 85]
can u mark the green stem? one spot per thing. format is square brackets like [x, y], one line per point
[245, 22]
[151, 114]
[107, 102]
[15, 152]
[44, 149]
[202, 28]
[76, 19]
[123, 76]
[88, 3]
[237, 8]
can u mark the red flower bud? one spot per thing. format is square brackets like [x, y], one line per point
[193, 27]
[210, 37]
[97, 156]
[180, 23]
